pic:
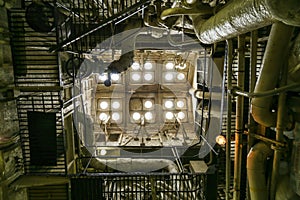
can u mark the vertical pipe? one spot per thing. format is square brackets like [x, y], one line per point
[274, 59]
[228, 122]
[252, 78]
[257, 170]
[253, 63]
[239, 126]
[280, 126]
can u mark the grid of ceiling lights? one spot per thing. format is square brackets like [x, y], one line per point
[111, 109]
[142, 109]
[145, 75]
[173, 108]
[172, 73]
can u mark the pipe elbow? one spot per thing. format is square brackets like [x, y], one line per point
[256, 170]
[257, 156]
[287, 11]
[262, 114]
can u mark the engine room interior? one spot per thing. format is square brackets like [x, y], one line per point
[149, 99]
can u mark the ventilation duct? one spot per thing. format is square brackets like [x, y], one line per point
[240, 16]
[134, 164]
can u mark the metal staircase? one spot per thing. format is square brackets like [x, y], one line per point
[86, 24]
[34, 66]
[37, 77]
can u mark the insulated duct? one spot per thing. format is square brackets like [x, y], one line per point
[273, 61]
[256, 170]
[241, 16]
[134, 164]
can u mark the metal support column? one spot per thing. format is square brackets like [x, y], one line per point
[280, 126]
[228, 119]
[239, 119]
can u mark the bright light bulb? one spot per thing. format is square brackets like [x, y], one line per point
[148, 66]
[169, 104]
[148, 104]
[180, 76]
[148, 77]
[180, 104]
[102, 77]
[169, 76]
[116, 116]
[104, 105]
[103, 116]
[169, 66]
[135, 66]
[115, 77]
[135, 77]
[169, 115]
[148, 116]
[181, 115]
[116, 105]
[136, 116]
[103, 152]
[221, 140]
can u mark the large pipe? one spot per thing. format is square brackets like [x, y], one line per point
[280, 127]
[273, 61]
[239, 17]
[256, 170]
[239, 125]
[134, 164]
[242, 16]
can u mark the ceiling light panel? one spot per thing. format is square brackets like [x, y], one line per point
[107, 104]
[135, 66]
[180, 103]
[148, 104]
[144, 74]
[116, 117]
[149, 66]
[168, 104]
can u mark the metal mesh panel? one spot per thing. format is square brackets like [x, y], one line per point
[45, 102]
[142, 186]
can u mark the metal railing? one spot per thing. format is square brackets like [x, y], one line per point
[155, 186]
[87, 23]
[42, 102]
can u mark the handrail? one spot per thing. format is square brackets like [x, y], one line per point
[117, 19]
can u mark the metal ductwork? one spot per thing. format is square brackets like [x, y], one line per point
[274, 60]
[241, 16]
[256, 170]
[134, 164]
